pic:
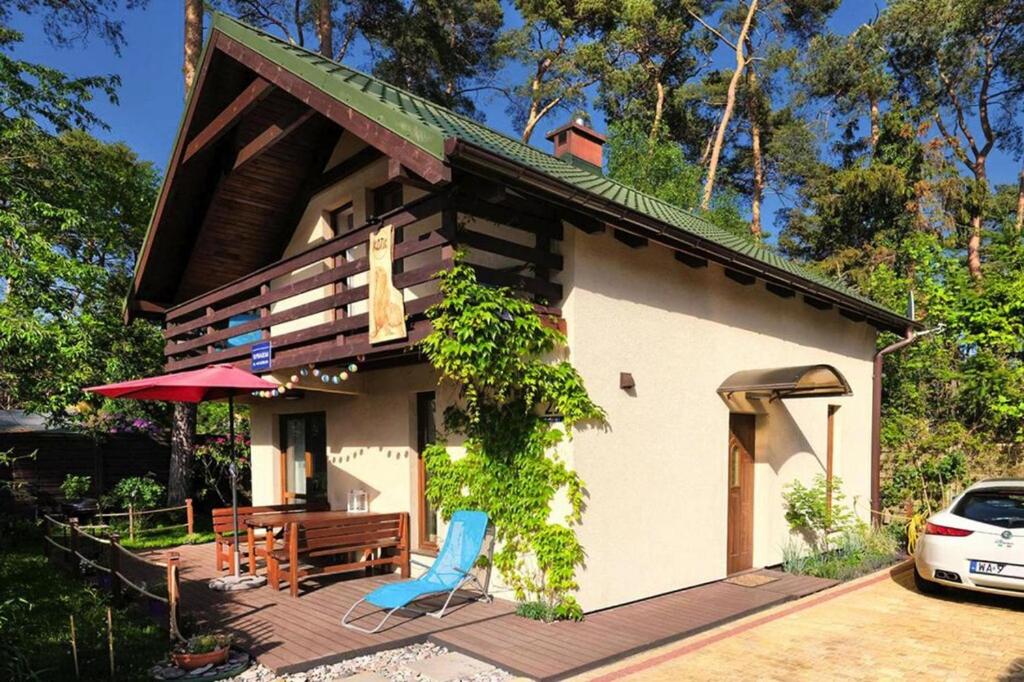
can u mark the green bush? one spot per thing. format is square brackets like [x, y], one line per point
[139, 492]
[856, 551]
[75, 487]
[808, 509]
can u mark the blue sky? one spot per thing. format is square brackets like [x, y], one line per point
[152, 91]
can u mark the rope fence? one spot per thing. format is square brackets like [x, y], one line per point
[70, 544]
[138, 519]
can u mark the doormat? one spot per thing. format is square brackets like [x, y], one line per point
[752, 579]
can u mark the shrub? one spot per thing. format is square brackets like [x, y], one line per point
[75, 487]
[808, 509]
[139, 492]
[856, 551]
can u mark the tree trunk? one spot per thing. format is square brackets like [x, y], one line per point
[757, 190]
[325, 28]
[875, 126]
[183, 436]
[977, 214]
[1019, 223]
[659, 108]
[730, 104]
[193, 41]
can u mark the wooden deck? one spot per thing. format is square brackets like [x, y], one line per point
[291, 634]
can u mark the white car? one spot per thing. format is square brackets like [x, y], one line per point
[977, 543]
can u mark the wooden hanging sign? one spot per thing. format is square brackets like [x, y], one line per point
[387, 306]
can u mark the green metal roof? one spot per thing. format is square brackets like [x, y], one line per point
[428, 125]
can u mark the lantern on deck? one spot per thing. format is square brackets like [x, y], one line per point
[358, 500]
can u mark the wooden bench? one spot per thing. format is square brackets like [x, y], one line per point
[223, 526]
[352, 544]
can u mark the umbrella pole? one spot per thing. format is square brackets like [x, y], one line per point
[233, 468]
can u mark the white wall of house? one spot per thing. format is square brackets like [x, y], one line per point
[656, 476]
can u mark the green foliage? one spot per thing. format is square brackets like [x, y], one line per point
[858, 550]
[658, 167]
[808, 509]
[498, 352]
[204, 644]
[75, 487]
[139, 492]
[36, 600]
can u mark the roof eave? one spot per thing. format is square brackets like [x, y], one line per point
[471, 154]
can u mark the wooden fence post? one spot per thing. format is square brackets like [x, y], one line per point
[114, 559]
[403, 547]
[131, 524]
[189, 515]
[172, 595]
[73, 543]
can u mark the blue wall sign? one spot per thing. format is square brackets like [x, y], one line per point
[260, 357]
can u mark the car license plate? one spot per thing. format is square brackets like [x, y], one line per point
[997, 568]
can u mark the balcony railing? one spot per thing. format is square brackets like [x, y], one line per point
[312, 305]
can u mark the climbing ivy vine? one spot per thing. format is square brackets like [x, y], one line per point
[502, 355]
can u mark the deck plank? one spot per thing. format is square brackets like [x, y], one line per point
[291, 634]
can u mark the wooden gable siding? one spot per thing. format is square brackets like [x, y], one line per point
[250, 213]
[235, 185]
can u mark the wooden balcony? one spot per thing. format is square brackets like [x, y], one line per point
[312, 305]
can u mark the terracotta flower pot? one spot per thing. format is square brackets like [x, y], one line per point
[193, 661]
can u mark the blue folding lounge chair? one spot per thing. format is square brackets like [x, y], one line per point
[450, 571]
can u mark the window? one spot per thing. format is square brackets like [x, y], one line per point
[997, 506]
[426, 433]
[343, 219]
[387, 198]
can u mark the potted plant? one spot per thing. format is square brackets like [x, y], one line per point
[200, 650]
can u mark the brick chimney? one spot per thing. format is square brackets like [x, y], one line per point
[579, 145]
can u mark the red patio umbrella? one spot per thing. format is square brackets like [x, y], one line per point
[209, 383]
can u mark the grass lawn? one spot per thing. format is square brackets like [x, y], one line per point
[166, 538]
[36, 600]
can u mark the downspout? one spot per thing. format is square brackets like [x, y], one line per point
[876, 416]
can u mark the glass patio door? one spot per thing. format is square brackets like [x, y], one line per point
[303, 457]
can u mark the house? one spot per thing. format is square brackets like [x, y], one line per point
[299, 191]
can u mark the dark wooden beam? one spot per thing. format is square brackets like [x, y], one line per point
[150, 307]
[584, 223]
[780, 291]
[232, 113]
[817, 303]
[630, 240]
[691, 260]
[358, 161]
[400, 174]
[511, 214]
[550, 291]
[740, 277]
[851, 315]
[425, 164]
[539, 255]
[270, 136]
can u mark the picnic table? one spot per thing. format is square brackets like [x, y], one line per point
[270, 522]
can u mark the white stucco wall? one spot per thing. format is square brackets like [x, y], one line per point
[656, 476]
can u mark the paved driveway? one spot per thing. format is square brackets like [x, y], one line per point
[876, 628]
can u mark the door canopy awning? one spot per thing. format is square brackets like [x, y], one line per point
[808, 381]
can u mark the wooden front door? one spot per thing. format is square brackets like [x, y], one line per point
[303, 457]
[740, 543]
